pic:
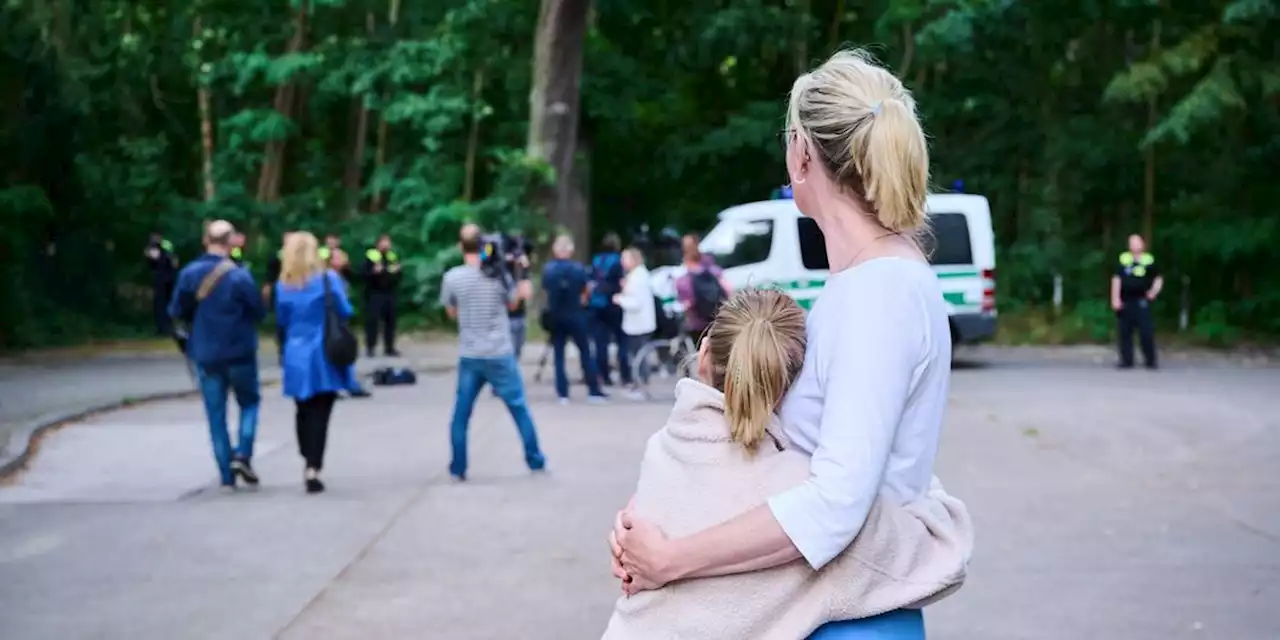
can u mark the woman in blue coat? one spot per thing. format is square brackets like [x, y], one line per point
[309, 378]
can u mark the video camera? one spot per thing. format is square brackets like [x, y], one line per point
[505, 256]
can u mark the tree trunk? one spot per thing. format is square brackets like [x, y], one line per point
[206, 123]
[553, 103]
[351, 177]
[1149, 171]
[273, 162]
[380, 156]
[908, 50]
[836, 18]
[473, 137]
[802, 37]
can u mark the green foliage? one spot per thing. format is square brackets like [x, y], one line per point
[1052, 110]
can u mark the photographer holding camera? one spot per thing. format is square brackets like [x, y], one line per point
[478, 294]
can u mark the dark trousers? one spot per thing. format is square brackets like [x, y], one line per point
[380, 308]
[563, 329]
[1136, 315]
[312, 424]
[161, 293]
[606, 328]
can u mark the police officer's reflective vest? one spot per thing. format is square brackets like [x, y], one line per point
[1139, 266]
[325, 254]
[166, 246]
[237, 254]
[376, 256]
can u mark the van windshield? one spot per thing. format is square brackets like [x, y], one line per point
[946, 243]
[734, 243]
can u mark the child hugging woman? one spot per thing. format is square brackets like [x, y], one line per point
[722, 452]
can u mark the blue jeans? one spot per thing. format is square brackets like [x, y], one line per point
[903, 624]
[606, 327]
[504, 374]
[242, 380]
[573, 327]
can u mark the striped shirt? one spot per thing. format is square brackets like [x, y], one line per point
[481, 301]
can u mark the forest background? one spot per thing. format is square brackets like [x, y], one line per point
[1081, 121]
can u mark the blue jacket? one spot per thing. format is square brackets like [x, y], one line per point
[564, 281]
[300, 312]
[224, 326]
[606, 273]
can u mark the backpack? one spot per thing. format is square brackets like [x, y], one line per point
[707, 294]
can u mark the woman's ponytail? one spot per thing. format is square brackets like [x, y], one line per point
[894, 163]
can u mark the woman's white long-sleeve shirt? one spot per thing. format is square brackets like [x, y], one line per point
[638, 315]
[869, 402]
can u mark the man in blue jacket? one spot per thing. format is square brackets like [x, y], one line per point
[222, 307]
[566, 284]
[606, 317]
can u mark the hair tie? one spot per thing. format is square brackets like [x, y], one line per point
[875, 111]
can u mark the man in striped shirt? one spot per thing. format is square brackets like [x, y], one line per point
[479, 303]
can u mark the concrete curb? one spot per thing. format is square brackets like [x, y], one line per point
[27, 434]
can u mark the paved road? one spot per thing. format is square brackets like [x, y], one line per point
[1109, 505]
[35, 390]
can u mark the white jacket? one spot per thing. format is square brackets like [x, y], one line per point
[636, 300]
[693, 477]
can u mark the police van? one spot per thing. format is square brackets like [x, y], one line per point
[771, 244]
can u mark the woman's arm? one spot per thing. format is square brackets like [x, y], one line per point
[865, 373]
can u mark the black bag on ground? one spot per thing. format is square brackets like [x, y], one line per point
[340, 345]
[391, 376]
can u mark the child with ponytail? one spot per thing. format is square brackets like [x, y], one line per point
[722, 452]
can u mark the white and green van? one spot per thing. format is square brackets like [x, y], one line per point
[770, 243]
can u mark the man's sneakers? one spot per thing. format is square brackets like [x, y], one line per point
[244, 471]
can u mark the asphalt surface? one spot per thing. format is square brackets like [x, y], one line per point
[1108, 504]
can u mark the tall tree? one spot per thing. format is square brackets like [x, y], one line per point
[554, 106]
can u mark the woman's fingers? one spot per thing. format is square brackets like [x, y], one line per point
[615, 558]
[624, 519]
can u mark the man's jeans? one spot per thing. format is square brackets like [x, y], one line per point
[504, 374]
[215, 382]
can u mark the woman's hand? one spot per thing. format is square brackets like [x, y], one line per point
[615, 546]
[647, 556]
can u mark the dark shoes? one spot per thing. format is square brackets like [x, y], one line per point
[311, 480]
[243, 470]
[391, 353]
[360, 392]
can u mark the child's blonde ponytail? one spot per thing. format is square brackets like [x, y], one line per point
[756, 346]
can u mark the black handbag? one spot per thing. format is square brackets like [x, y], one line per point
[340, 345]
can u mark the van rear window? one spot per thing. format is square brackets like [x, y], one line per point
[946, 243]
[948, 239]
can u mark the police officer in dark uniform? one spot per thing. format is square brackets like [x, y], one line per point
[1135, 285]
[236, 254]
[381, 277]
[164, 273]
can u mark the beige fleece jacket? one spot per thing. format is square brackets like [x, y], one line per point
[694, 477]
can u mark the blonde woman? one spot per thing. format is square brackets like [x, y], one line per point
[639, 316]
[868, 405]
[722, 452]
[309, 378]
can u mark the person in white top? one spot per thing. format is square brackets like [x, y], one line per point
[639, 316]
[869, 403]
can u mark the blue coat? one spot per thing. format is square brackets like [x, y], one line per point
[224, 326]
[300, 312]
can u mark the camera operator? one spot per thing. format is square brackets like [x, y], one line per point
[478, 295]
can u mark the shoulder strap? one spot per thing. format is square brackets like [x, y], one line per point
[212, 278]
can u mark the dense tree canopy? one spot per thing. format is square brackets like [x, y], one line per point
[1082, 122]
